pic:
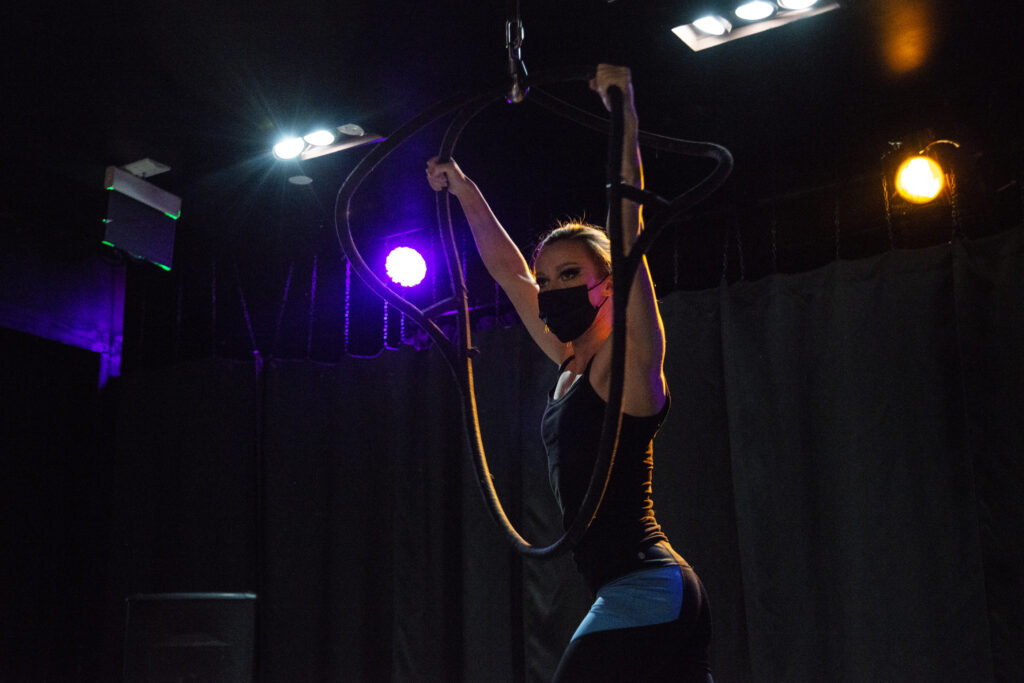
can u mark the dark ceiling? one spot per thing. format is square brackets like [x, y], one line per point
[205, 87]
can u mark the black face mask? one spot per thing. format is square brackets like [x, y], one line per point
[568, 312]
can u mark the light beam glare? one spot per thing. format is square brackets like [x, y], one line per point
[405, 266]
[289, 148]
[919, 180]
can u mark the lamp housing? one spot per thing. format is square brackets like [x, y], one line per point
[712, 28]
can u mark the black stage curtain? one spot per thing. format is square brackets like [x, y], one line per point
[842, 465]
[54, 514]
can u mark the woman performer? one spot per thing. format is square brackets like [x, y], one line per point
[650, 620]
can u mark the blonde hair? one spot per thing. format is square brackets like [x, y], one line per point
[592, 237]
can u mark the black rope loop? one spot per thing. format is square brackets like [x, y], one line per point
[459, 357]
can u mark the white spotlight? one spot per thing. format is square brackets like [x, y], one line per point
[796, 4]
[755, 10]
[712, 25]
[289, 148]
[320, 138]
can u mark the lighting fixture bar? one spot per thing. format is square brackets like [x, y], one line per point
[343, 141]
[733, 28]
[310, 146]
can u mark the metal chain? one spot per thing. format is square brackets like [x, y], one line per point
[888, 211]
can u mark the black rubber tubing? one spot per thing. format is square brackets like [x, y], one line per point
[459, 356]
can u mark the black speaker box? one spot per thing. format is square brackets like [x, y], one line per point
[190, 637]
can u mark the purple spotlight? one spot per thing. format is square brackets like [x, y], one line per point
[405, 266]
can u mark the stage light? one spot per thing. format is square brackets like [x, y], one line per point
[755, 10]
[323, 141]
[289, 148]
[320, 137]
[752, 17]
[140, 216]
[796, 5]
[712, 25]
[405, 266]
[919, 179]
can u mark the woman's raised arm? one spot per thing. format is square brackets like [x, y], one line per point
[499, 253]
[645, 334]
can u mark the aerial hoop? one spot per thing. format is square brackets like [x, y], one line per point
[459, 353]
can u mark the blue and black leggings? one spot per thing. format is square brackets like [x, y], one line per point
[650, 625]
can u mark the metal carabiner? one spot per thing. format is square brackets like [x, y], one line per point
[514, 34]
